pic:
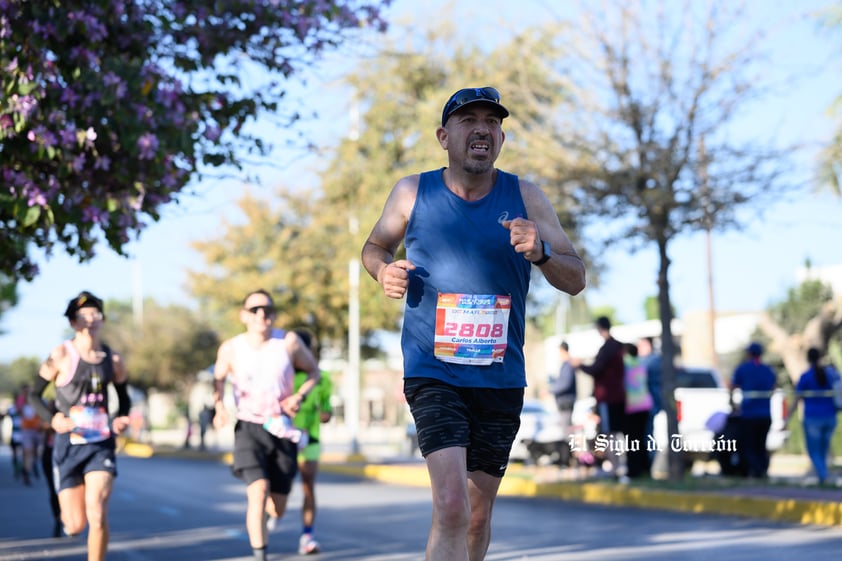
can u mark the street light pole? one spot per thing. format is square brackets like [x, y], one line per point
[714, 357]
[352, 406]
[352, 387]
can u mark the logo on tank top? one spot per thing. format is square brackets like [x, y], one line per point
[503, 217]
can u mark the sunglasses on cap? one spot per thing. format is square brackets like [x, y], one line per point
[267, 310]
[472, 95]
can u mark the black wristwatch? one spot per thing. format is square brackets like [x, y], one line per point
[547, 254]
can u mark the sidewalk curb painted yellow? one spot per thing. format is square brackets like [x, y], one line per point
[778, 509]
[822, 513]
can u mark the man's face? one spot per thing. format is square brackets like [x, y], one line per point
[88, 318]
[473, 137]
[258, 313]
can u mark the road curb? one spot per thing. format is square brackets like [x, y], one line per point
[792, 510]
[823, 513]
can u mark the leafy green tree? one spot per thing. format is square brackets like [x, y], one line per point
[163, 349]
[301, 249]
[650, 307]
[653, 96]
[830, 168]
[8, 295]
[651, 310]
[18, 372]
[279, 248]
[810, 316]
[111, 108]
[400, 91]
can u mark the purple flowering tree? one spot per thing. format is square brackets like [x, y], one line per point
[109, 108]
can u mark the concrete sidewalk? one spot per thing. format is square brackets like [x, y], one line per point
[783, 497]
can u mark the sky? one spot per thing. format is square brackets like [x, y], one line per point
[752, 268]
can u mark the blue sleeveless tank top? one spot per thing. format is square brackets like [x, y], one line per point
[460, 247]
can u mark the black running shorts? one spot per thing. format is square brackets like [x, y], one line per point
[261, 455]
[484, 421]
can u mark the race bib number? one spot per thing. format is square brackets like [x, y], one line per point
[471, 328]
[282, 427]
[91, 424]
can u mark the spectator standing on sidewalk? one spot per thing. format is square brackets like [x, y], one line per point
[205, 423]
[756, 380]
[563, 387]
[609, 373]
[651, 359]
[814, 388]
[31, 438]
[15, 414]
[638, 406]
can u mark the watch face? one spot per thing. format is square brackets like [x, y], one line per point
[545, 246]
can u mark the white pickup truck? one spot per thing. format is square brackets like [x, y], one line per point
[703, 408]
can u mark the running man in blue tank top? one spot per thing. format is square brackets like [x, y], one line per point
[472, 234]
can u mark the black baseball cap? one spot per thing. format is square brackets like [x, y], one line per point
[84, 300]
[466, 96]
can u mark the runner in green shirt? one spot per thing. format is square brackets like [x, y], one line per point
[315, 410]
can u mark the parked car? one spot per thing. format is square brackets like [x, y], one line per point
[541, 438]
[706, 418]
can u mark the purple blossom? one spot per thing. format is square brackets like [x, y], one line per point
[64, 79]
[212, 133]
[69, 97]
[93, 214]
[110, 79]
[148, 145]
[68, 137]
[44, 30]
[34, 197]
[43, 136]
[24, 105]
[103, 163]
[78, 163]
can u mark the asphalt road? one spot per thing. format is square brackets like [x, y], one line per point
[180, 509]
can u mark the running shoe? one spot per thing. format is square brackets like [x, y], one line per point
[307, 545]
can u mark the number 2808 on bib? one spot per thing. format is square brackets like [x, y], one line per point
[471, 328]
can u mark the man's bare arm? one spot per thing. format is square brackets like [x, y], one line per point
[378, 252]
[565, 270]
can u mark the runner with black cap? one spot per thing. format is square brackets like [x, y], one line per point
[472, 234]
[84, 462]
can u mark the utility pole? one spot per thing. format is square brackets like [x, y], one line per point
[708, 222]
[137, 295]
[352, 385]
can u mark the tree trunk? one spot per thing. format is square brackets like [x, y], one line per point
[792, 347]
[668, 351]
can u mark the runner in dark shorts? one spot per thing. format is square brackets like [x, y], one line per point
[72, 462]
[260, 364]
[472, 235]
[482, 420]
[261, 455]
